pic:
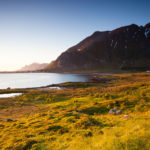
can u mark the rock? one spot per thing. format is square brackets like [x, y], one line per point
[112, 111]
[79, 111]
[101, 132]
[118, 112]
[9, 120]
[126, 116]
[70, 111]
[89, 134]
[98, 79]
[115, 112]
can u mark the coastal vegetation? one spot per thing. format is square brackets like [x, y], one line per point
[77, 117]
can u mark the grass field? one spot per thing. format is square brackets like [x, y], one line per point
[77, 118]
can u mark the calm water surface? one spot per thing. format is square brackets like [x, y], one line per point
[9, 95]
[25, 80]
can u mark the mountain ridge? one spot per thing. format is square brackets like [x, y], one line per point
[34, 67]
[124, 48]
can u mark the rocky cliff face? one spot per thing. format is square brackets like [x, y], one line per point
[127, 47]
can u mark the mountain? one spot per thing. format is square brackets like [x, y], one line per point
[124, 48]
[34, 67]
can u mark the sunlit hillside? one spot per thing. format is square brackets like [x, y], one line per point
[78, 118]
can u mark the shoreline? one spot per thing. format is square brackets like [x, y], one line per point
[92, 78]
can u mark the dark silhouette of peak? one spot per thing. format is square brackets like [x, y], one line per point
[147, 25]
[127, 47]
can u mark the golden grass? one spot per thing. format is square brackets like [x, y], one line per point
[78, 119]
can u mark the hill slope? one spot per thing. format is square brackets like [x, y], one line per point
[127, 47]
[33, 67]
[78, 118]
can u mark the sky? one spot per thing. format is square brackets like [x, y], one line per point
[40, 30]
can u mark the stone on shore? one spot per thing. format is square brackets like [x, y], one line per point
[115, 112]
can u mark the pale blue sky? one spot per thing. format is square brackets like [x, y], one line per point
[40, 30]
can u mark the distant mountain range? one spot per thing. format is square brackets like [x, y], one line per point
[34, 67]
[125, 48]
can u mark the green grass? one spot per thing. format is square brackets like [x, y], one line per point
[77, 118]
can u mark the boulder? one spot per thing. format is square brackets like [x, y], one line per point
[118, 112]
[98, 79]
[126, 116]
[9, 120]
[115, 112]
[79, 111]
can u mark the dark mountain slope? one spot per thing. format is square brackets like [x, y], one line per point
[127, 47]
